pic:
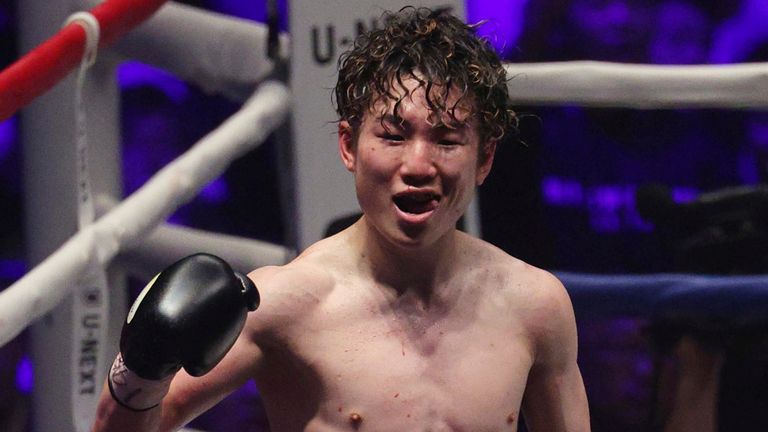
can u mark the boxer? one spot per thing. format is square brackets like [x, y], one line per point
[400, 322]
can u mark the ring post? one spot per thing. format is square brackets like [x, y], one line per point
[50, 202]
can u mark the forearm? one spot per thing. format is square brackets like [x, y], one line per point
[112, 417]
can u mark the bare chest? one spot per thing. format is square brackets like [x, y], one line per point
[384, 372]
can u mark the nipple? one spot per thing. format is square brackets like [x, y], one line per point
[355, 419]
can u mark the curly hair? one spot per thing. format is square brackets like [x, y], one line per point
[443, 54]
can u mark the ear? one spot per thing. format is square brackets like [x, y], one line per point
[347, 145]
[484, 166]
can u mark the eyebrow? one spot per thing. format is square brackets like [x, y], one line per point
[401, 123]
[393, 120]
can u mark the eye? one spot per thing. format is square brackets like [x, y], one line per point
[449, 142]
[392, 137]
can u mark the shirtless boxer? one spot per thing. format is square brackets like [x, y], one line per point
[401, 322]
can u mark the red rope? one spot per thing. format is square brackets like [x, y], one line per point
[51, 61]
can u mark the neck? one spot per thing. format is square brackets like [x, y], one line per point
[418, 270]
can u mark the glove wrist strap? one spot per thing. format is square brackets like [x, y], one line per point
[134, 392]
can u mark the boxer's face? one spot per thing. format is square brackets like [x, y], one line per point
[414, 180]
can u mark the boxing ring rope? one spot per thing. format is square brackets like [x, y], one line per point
[47, 284]
[187, 35]
[592, 83]
[49, 63]
[728, 301]
[203, 47]
[168, 243]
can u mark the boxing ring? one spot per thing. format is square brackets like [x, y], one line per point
[133, 227]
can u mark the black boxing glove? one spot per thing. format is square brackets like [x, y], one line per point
[188, 316]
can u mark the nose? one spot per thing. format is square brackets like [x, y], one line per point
[418, 163]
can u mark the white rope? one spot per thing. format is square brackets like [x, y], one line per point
[168, 243]
[47, 284]
[220, 53]
[90, 24]
[592, 83]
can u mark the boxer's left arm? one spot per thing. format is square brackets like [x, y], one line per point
[554, 399]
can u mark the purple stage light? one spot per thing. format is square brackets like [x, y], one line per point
[682, 194]
[25, 377]
[216, 192]
[562, 192]
[134, 74]
[505, 20]
[8, 136]
[12, 270]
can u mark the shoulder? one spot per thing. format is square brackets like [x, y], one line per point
[540, 301]
[292, 292]
[548, 317]
[538, 285]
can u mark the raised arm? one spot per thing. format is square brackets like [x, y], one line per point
[189, 316]
[554, 399]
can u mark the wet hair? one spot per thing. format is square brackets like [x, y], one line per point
[444, 55]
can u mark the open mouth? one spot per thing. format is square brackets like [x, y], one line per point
[416, 203]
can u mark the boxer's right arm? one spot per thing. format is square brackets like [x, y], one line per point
[189, 316]
[110, 416]
[187, 397]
